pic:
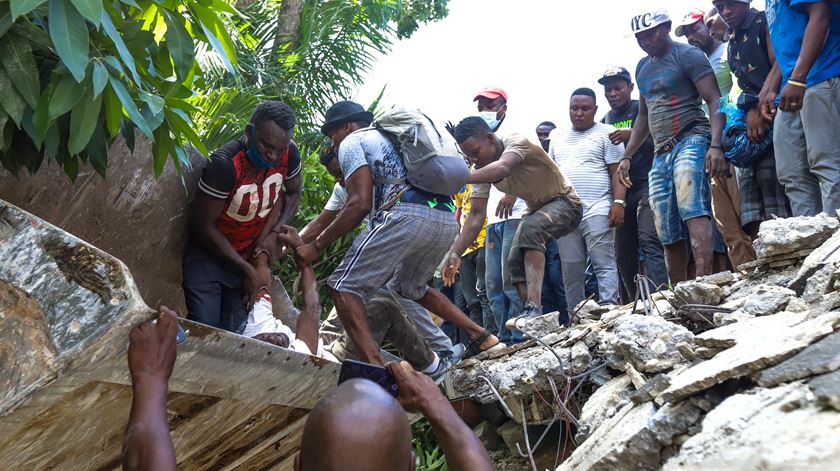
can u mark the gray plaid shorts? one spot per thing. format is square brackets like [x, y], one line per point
[400, 247]
[762, 196]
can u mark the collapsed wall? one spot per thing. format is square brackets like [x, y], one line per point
[731, 371]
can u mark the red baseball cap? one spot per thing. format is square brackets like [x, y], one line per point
[491, 93]
[693, 17]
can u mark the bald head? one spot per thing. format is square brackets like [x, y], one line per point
[356, 426]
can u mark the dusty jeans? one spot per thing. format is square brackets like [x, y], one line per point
[807, 145]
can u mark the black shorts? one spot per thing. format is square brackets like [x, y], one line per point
[213, 291]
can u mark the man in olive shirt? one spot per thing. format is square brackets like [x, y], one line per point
[518, 167]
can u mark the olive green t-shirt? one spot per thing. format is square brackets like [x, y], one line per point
[537, 180]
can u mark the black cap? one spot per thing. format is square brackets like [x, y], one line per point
[619, 72]
[344, 112]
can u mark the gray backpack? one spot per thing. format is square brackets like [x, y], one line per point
[432, 159]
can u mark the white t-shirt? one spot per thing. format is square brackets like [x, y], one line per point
[583, 157]
[337, 200]
[261, 320]
[519, 208]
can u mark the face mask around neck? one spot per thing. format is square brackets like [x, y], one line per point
[254, 156]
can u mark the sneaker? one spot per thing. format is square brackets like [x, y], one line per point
[457, 352]
[528, 312]
[446, 360]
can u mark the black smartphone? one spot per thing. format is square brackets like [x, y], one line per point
[357, 369]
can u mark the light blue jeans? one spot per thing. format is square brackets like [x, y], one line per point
[503, 297]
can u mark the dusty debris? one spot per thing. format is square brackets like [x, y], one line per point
[674, 385]
[784, 236]
[649, 343]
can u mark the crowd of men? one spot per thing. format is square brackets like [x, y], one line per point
[732, 128]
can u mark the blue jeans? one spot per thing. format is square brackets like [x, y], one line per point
[553, 292]
[503, 297]
[474, 289]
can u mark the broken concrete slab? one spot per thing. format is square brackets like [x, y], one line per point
[826, 388]
[649, 343]
[697, 292]
[762, 348]
[602, 405]
[820, 357]
[821, 282]
[767, 299]
[777, 429]
[728, 336]
[621, 443]
[783, 236]
[581, 358]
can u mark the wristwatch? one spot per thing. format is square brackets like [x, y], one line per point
[621, 202]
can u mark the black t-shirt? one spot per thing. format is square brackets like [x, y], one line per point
[748, 57]
[643, 159]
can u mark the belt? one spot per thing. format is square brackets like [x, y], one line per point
[671, 143]
[439, 202]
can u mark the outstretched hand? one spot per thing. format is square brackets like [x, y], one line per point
[151, 348]
[291, 239]
[624, 172]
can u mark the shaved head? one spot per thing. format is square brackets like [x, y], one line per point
[356, 426]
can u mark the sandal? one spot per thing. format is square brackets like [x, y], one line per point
[474, 347]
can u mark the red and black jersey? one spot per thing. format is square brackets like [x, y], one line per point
[249, 192]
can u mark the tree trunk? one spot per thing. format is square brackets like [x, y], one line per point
[288, 24]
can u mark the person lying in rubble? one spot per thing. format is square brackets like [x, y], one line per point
[385, 318]
[261, 323]
[359, 426]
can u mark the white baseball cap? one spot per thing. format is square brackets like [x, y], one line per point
[649, 20]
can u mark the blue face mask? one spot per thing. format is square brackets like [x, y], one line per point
[489, 117]
[255, 157]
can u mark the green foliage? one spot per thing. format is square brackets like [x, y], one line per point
[75, 73]
[429, 453]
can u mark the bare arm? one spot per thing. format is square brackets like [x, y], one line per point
[469, 231]
[640, 132]
[462, 449]
[308, 321]
[498, 170]
[205, 211]
[359, 202]
[816, 32]
[147, 445]
[716, 165]
[317, 225]
[619, 191]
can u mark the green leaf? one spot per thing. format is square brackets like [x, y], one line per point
[67, 93]
[180, 43]
[131, 3]
[129, 105]
[100, 78]
[71, 167]
[128, 136]
[122, 49]
[22, 7]
[83, 120]
[51, 141]
[161, 148]
[5, 20]
[179, 125]
[12, 102]
[5, 138]
[41, 119]
[217, 35]
[97, 150]
[90, 9]
[69, 34]
[19, 63]
[155, 102]
[113, 112]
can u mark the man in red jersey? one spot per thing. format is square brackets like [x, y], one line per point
[238, 204]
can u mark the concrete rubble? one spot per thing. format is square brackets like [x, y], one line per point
[732, 371]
